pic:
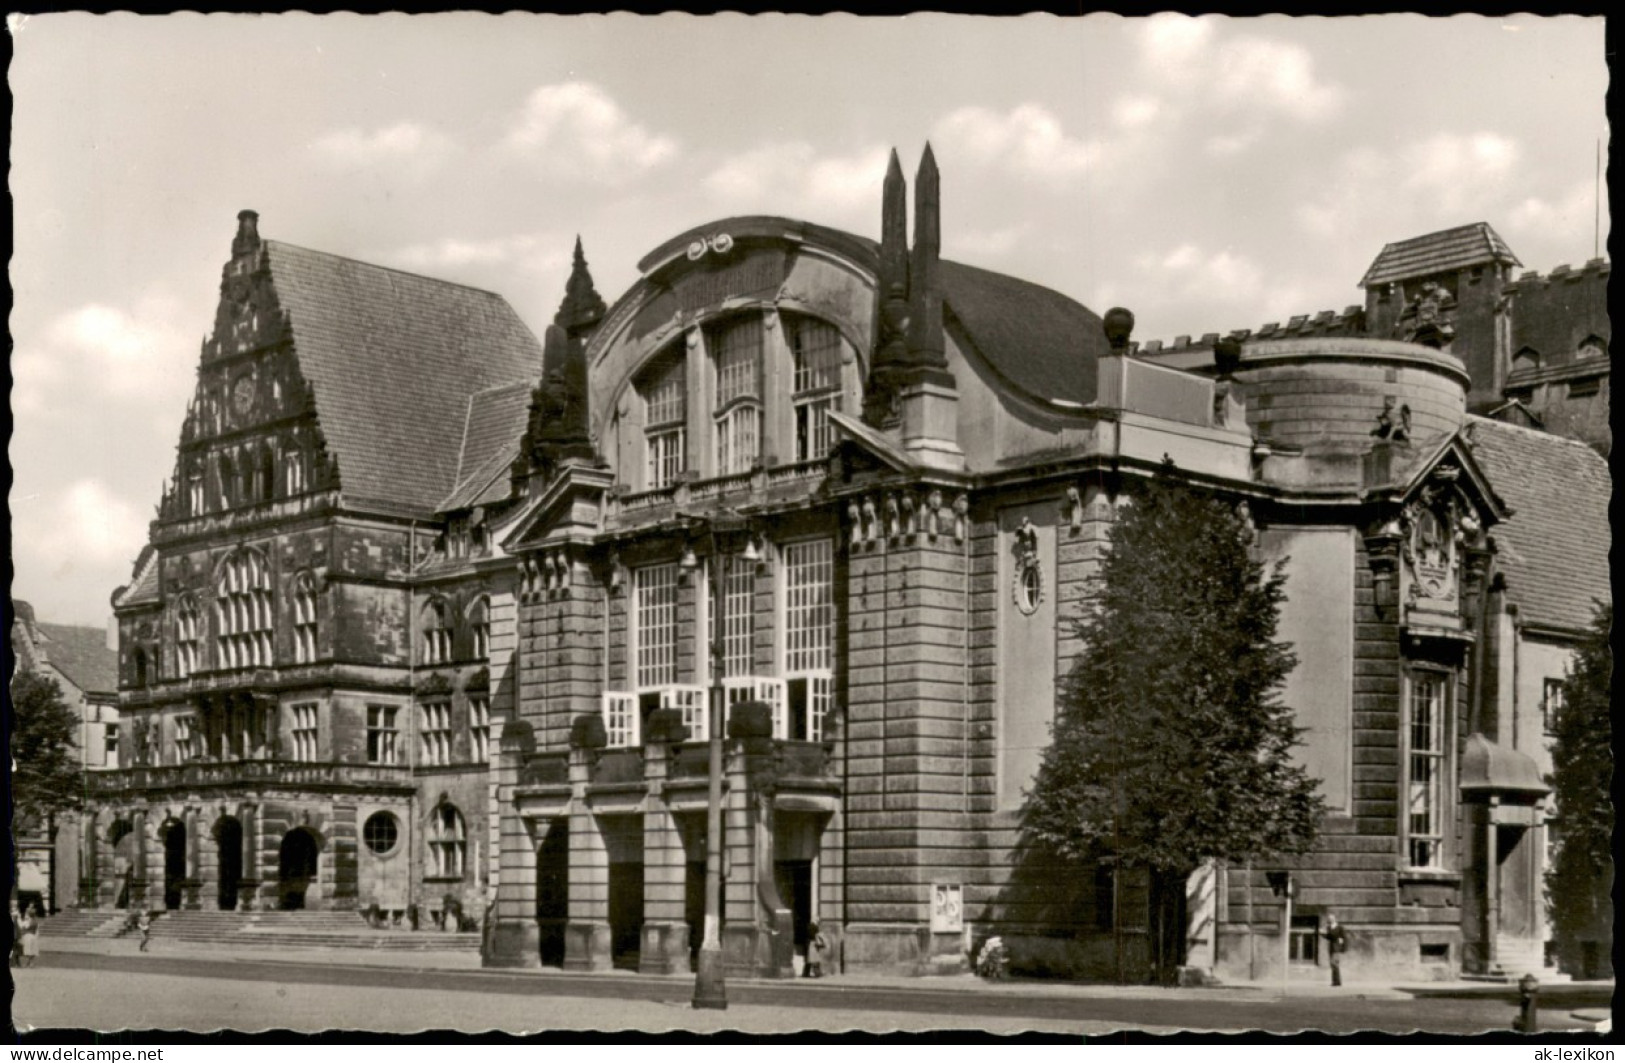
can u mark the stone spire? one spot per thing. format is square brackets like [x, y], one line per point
[583, 308]
[247, 240]
[891, 336]
[926, 346]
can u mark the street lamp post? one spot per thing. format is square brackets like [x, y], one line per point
[710, 983]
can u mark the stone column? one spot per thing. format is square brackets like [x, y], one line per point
[191, 886]
[665, 862]
[586, 936]
[515, 941]
[342, 840]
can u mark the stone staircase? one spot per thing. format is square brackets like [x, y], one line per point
[84, 922]
[300, 930]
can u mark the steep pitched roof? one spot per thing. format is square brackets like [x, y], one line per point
[393, 358]
[1554, 546]
[1420, 256]
[495, 422]
[80, 654]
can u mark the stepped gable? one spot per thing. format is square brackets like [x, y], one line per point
[495, 422]
[1554, 546]
[393, 359]
[81, 654]
[1440, 252]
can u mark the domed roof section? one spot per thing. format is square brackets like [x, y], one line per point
[1023, 331]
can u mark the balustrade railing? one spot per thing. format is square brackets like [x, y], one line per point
[235, 773]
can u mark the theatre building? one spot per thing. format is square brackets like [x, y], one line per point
[434, 610]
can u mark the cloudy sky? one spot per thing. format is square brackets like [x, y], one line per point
[1209, 174]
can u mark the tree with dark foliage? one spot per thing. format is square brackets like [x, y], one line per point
[1580, 881]
[1171, 746]
[45, 772]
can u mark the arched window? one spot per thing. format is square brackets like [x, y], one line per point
[736, 355]
[663, 387]
[448, 842]
[243, 612]
[267, 476]
[479, 626]
[188, 637]
[436, 633]
[293, 470]
[228, 482]
[304, 619]
[816, 347]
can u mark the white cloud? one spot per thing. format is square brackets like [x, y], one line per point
[1198, 69]
[986, 243]
[791, 177]
[1447, 178]
[404, 143]
[127, 356]
[1572, 212]
[85, 524]
[1226, 144]
[1131, 112]
[575, 129]
[1192, 271]
[1027, 142]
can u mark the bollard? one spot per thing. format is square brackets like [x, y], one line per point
[1528, 1020]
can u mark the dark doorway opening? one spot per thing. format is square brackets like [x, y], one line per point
[174, 863]
[126, 854]
[296, 866]
[229, 836]
[694, 910]
[553, 891]
[625, 914]
[795, 880]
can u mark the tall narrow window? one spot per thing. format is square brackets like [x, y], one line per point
[381, 735]
[435, 733]
[447, 842]
[479, 730]
[739, 622]
[479, 627]
[304, 732]
[436, 633]
[293, 471]
[1425, 826]
[656, 620]
[243, 612]
[1551, 703]
[110, 745]
[736, 354]
[816, 347]
[809, 636]
[194, 494]
[188, 637]
[188, 742]
[304, 619]
[664, 389]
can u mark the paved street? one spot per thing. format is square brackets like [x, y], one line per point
[201, 994]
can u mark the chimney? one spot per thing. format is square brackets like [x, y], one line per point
[247, 240]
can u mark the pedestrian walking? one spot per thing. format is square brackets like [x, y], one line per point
[1337, 942]
[28, 935]
[16, 937]
[816, 947]
[143, 923]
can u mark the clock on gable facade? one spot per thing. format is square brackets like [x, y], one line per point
[242, 394]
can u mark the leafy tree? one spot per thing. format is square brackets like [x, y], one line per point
[1580, 880]
[45, 775]
[1171, 746]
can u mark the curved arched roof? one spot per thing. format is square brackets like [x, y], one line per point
[1039, 341]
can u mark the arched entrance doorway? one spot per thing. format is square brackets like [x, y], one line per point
[174, 835]
[296, 866]
[126, 859]
[228, 833]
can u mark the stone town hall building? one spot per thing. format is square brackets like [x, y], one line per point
[427, 618]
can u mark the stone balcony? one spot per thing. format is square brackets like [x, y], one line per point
[287, 774]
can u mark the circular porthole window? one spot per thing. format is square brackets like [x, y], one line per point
[381, 832]
[1029, 588]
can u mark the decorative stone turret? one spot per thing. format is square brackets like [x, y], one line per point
[558, 431]
[910, 388]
